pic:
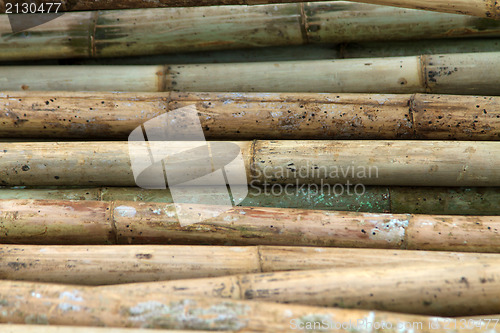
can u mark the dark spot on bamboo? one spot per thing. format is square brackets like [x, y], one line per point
[249, 294]
[16, 265]
[144, 256]
[465, 281]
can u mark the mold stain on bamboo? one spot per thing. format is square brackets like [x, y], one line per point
[389, 230]
[187, 314]
[73, 296]
[125, 211]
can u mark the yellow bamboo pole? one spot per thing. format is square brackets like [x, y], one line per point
[122, 222]
[101, 265]
[17, 328]
[35, 303]
[324, 163]
[248, 116]
[438, 289]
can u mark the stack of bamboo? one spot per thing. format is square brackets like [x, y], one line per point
[370, 139]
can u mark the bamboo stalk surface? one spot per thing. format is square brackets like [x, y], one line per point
[29, 328]
[324, 163]
[459, 73]
[94, 222]
[373, 199]
[247, 116]
[70, 305]
[113, 33]
[294, 53]
[437, 289]
[480, 8]
[102, 265]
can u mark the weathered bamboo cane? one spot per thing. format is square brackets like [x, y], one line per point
[70, 305]
[400, 48]
[297, 52]
[16, 328]
[480, 8]
[254, 116]
[374, 199]
[171, 30]
[397, 200]
[94, 222]
[273, 53]
[52, 193]
[321, 163]
[101, 265]
[437, 289]
[463, 73]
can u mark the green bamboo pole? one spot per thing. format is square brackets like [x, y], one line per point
[480, 8]
[103, 265]
[246, 116]
[296, 52]
[467, 73]
[171, 30]
[323, 163]
[272, 53]
[71, 305]
[372, 199]
[126, 222]
[411, 48]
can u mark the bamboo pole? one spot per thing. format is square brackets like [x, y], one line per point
[125, 222]
[272, 53]
[321, 163]
[467, 73]
[172, 30]
[407, 48]
[22, 192]
[480, 8]
[437, 289]
[248, 116]
[102, 265]
[295, 52]
[13, 328]
[373, 199]
[70, 305]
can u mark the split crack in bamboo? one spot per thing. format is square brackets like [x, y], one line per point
[92, 34]
[114, 228]
[411, 115]
[303, 23]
